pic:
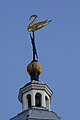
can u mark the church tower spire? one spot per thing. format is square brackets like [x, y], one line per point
[35, 96]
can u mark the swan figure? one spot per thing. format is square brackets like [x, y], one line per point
[35, 26]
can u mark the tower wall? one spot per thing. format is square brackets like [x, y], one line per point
[44, 103]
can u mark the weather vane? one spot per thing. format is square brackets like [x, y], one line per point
[32, 28]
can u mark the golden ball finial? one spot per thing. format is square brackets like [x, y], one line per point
[34, 66]
[34, 69]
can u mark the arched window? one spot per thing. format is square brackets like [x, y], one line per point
[47, 102]
[38, 100]
[29, 100]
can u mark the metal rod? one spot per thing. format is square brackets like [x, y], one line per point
[33, 47]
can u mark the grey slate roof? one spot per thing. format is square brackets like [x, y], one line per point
[36, 114]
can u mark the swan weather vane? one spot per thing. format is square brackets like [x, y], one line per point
[33, 27]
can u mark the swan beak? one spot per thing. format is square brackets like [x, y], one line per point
[30, 18]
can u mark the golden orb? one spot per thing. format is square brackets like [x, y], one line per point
[34, 66]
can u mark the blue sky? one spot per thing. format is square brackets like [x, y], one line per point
[58, 46]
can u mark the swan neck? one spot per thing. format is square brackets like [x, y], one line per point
[35, 18]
